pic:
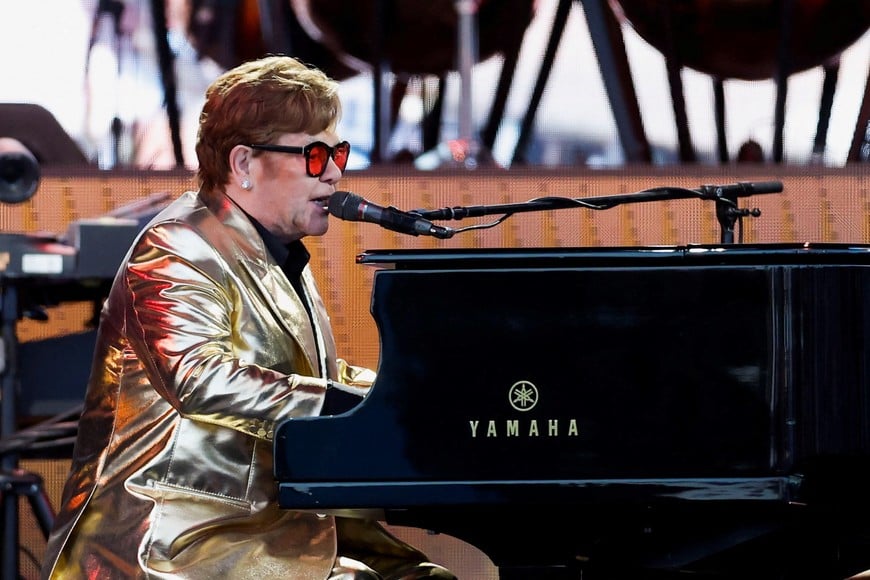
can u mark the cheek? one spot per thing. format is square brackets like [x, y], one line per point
[281, 171]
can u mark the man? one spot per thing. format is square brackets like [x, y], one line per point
[212, 334]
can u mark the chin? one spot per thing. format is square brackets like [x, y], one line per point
[319, 231]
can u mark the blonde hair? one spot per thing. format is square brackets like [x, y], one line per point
[256, 102]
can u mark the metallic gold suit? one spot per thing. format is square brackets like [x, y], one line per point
[203, 348]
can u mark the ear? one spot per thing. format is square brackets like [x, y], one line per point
[240, 159]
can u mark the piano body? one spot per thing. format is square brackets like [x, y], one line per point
[612, 413]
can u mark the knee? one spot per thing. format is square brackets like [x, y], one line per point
[422, 570]
[349, 569]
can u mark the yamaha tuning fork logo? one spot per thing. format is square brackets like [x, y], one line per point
[522, 397]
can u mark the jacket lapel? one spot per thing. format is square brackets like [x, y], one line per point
[270, 281]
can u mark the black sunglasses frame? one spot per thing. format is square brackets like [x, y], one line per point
[306, 151]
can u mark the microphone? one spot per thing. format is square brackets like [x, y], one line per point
[351, 207]
[743, 188]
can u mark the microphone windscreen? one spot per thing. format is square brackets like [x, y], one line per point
[344, 205]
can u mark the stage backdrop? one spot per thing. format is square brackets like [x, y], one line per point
[816, 205]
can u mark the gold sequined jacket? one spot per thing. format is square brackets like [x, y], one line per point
[203, 347]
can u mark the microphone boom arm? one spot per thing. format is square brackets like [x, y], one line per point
[725, 196]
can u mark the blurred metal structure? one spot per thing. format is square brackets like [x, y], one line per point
[725, 39]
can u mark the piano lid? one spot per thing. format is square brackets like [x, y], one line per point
[815, 253]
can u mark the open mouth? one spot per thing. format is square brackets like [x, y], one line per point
[323, 202]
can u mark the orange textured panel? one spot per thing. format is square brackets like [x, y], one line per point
[824, 205]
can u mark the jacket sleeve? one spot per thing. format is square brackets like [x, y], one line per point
[208, 345]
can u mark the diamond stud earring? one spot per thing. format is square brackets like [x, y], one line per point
[246, 183]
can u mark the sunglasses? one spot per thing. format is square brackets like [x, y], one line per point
[316, 154]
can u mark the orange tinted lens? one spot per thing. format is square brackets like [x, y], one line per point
[341, 153]
[318, 157]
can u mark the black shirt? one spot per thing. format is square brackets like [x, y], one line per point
[292, 257]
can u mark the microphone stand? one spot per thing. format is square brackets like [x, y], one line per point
[725, 196]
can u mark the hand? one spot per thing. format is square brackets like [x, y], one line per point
[341, 398]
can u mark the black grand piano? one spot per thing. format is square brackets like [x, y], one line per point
[647, 412]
